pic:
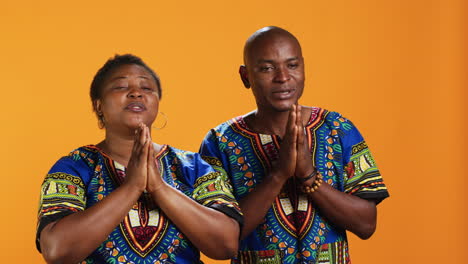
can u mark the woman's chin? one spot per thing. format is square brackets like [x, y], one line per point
[134, 124]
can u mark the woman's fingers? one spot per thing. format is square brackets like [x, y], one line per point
[136, 173]
[144, 139]
[135, 140]
[140, 144]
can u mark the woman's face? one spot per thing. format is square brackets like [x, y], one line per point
[129, 96]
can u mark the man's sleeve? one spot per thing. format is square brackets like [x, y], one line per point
[361, 175]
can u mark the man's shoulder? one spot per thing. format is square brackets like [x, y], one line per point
[319, 113]
[228, 125]
[332, 121]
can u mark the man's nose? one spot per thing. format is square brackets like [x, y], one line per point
[282, 74]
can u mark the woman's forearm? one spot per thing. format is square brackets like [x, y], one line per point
[74, 237]
[211, 231]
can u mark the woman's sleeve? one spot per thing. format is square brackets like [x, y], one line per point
[212, 153]
[213, 188]
[63, 192]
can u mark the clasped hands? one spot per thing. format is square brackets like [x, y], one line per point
[294, 155]
[142, 170]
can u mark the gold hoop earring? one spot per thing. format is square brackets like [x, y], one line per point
[164, 124]
[101, 123]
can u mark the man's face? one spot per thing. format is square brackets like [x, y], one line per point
[275, 72]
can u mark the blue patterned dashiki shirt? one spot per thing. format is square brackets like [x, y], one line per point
[294, 231]
[145, 235]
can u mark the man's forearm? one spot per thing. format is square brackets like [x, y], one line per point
[346, 211]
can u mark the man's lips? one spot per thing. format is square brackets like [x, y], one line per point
[136, 107]
[283, 93]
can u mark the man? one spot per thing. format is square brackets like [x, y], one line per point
[303, 175]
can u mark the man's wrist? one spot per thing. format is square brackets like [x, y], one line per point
[314, 185]
[310, 178]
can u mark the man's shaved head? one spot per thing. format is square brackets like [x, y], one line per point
[274, 69]
[265, 34]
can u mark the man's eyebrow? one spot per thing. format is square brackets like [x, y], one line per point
[264, 61]
[293, 58]
[272, 61]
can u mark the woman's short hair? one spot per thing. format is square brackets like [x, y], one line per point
[113, 63]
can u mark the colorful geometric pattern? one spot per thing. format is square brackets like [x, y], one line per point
[145, 235]
[293, 230]
[62, 193]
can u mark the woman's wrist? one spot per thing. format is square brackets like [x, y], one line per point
[131, 190]
[156, 188]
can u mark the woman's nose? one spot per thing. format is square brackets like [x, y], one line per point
[134, 93]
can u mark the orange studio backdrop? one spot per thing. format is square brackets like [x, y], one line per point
[396, 68]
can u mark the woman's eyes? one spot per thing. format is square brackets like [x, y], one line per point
[126, 87]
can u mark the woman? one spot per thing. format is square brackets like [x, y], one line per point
[127, 199]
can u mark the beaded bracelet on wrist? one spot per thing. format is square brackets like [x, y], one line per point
[315, 185]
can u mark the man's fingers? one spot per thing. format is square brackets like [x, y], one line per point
[294, 132]
[292, 118]
[291, 121]
[298, 115]
[290, 132]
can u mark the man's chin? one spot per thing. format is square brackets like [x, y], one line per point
[284, 107]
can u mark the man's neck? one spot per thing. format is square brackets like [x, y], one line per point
[272, 122]
[269, 122]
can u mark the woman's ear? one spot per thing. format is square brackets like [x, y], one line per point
[97, 107]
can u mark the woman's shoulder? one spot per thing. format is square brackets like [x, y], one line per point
[77, 161]
[182, 155]
[188, 160]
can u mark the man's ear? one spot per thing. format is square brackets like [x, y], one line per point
[244, 77]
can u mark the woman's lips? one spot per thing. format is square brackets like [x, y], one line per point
[136, 107]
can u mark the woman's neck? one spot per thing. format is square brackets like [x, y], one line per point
[118, 147]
